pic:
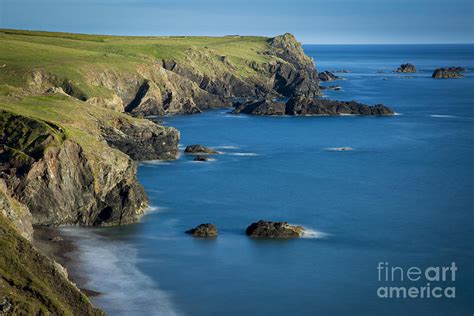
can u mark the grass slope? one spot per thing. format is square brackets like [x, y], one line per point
[72, 56]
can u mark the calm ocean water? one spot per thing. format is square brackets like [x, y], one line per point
[403, 196]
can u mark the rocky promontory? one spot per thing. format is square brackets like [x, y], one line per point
[310, 106]
[448, 73]
[268, 229]
[327, 76]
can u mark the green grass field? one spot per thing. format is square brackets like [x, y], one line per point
[73, 56]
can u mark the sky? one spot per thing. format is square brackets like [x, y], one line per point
[312, 21]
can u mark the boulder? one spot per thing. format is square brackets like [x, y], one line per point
[406, 68]
[267, 229]
[204, 231]
[201, 158]
[327, 76]
[448, 73]
[199, 149]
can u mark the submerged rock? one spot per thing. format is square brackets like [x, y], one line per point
[201, 158]
[204, 231]
[448, 73]
[199, 149]
[406, 68]
[327, 76]
[335, 88]
[310, 106]
[267, 229]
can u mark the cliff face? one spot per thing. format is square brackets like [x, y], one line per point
[161, 75]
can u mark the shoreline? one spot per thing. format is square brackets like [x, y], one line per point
[53, 243]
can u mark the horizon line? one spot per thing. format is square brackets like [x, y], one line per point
[303, 43]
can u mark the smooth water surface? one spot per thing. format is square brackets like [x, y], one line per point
[404, 195]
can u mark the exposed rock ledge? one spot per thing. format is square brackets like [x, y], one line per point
[448, 73]
[310, 106]
[267, 229]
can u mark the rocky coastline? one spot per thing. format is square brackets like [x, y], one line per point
[69, 146]
[302, 106]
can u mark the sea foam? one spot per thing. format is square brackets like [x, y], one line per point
[110, 266]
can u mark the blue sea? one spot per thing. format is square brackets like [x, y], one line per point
[402, 198]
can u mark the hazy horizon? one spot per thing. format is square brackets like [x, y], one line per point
[312, 22]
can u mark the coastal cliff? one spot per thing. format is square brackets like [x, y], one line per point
[157, 75]
[71, 131]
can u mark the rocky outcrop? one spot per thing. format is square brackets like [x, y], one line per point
[60, 182]
[327, 76]
[264, 107]
[406, 68]
[17, 213]
[142, 140]
[448, 73]
[267, 229]
[199, 149]
[310, 106]
[204, 231]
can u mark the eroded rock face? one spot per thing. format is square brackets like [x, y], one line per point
[267, 229]
[406, 68]
[142, 140]
[60, 182]
[310, 106]
[199, 149]
[448, 73]
[204, 231]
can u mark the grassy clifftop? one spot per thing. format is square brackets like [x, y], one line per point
[154, 75]
[75, 56]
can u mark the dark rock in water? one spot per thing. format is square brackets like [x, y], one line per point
[407, 68]
[311, 106]
[204, 231]
[265, 107]
[448, 73]
[344, 71]
[267, 229]
[199, 149]
[327, 76]
[201, 158]
[335, 88]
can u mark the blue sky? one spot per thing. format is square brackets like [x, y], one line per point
[312, 21]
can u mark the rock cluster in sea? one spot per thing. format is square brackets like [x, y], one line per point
[327, 76]
[199, 149]
[204, 231]
[406, 68]
[448, 73]
[268, 229]
[309, 106]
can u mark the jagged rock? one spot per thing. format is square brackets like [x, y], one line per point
[406, 68]
[265, 107]
[199, 149]
[327, 76]
[267, 229]
[344, 71]
[142, 140]
[448, 73]
[204, 231]
[311, 106]
[60, 182]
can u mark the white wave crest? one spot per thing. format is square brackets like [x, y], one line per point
[313, 234]
[442, 116]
